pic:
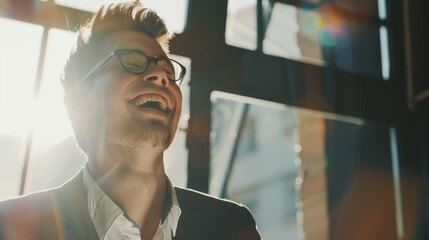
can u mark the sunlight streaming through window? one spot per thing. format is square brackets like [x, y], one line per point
[53, 148]
[18, 66]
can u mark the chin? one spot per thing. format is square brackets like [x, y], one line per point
[156, 135]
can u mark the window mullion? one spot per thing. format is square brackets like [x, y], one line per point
[36, 92]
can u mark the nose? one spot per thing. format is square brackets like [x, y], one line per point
[157, 75]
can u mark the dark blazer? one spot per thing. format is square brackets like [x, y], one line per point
[62, 213]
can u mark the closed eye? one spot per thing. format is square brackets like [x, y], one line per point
[133, 66]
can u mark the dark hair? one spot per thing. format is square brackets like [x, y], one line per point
[109, 19]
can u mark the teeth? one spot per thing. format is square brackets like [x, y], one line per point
[152, 98]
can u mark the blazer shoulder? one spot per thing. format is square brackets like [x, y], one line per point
[196, 199]
[24, 216]
[42, 199]
[206, 215]
[34, 200]
[58, 213]
[218, 209]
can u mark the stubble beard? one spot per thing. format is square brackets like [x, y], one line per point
[131, 137]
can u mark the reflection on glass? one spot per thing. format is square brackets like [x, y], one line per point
[294, 33]
[174, 12]
[263, 171]
[308, 174]
[355, 44]
[19, 48]
[240, 28]
[341, 34]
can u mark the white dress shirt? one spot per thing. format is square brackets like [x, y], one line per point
[112, 223]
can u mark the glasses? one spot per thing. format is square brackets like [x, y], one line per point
[136, 62]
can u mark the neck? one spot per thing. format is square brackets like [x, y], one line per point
[134, 178]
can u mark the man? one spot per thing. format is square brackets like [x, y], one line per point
[123, 98]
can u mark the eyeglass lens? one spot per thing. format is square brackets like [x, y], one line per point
[138, 63]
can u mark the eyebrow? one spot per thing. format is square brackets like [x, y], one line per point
[150, 55]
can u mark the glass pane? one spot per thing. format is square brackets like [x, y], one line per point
[19, 46]
[174, 12]
[240, 28]
[308, 174]
[294, 33]
[342, 34]
[263, 172]
[353, 46]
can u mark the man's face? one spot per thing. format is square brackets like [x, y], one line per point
[131, 109]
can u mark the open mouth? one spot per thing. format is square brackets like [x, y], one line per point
[152, 101]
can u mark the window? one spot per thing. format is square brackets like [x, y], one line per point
[19, 56]
[303, 173]
[348, 36]
[34, 127]
[53, 148]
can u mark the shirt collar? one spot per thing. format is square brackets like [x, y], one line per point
[174, 213]
[104, 211]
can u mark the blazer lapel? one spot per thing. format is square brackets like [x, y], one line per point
[188, 208]
[73, 210]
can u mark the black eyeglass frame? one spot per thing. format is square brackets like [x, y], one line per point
[151, 59]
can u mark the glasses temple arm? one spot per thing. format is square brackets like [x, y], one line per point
[96, 67]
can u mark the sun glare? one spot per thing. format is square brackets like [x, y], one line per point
[38, 111]
[18, 62]
[51, 125]
[20, 112]
[19, 48]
